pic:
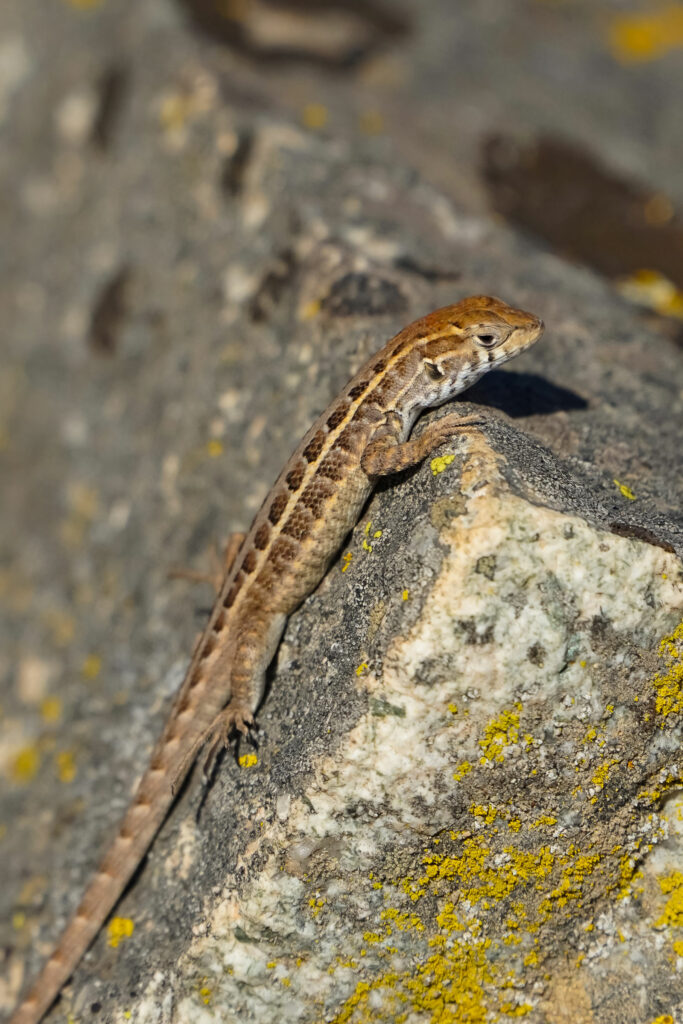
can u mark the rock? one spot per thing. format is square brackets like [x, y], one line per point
[466, 798]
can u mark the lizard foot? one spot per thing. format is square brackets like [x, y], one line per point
[235, 717]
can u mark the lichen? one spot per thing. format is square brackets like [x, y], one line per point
[669, 683]
[119, 928]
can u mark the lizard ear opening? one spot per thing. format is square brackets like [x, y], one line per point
[434, 372]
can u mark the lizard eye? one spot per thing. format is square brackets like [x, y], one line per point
[490, 337]
[433, 371]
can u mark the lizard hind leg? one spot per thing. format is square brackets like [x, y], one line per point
[220, 567]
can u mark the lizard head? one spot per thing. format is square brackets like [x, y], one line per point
[461, 342]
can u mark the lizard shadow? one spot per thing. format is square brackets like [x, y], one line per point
[523, 394]
[516, 394]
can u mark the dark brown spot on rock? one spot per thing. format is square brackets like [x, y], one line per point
[295, 476]
[360, 294]
[279, 504]
[109, 313]
[536, 655]
[314, 447]
[261, 536]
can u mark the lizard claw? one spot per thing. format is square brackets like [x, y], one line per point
[234, 717]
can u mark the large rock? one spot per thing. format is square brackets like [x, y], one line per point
[464, 802]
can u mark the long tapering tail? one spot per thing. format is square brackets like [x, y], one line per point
[154, 796]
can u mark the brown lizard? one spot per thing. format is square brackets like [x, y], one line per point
[316, 500]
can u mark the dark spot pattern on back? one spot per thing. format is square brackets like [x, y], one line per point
[261, 536]
[347, 439]
[279, 504]
[368, 410]
[315, 496]
[380, 366]
[232, 594]
[314, 447]
[298, 524]
[337, 416]
[249, 563]
[219, 622]
[358, 389]
[333, 466]
[295, 476]
[283, 551]
[208, 646]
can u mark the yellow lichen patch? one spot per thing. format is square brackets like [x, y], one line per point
[486, 811]
[51, 709]
[119, 928]
[672, 886]
[405, 595]
[648, 287]
[92, 666]
[499, 733]
[25, 765]
[375, 536]
[510, 896]
[666, 1018]
[634, 38]
[66, 766]
[669, 683]
[362, 668]
[346, 560]
[625, 491]
[316, 904]
[205, 994]
[214, 448]
[462, 770]
[438, 464]
[314, 116]
[248, 760]
[544, 820]
[601, 774]
[310, 309]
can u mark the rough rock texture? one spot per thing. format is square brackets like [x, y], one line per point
[465, 805]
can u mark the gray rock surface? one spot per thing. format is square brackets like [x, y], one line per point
[466, 802]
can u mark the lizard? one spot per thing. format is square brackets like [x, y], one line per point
[316, 500]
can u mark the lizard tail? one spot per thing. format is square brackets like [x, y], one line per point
[154, 796]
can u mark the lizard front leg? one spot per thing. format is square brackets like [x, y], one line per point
[387, 453]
